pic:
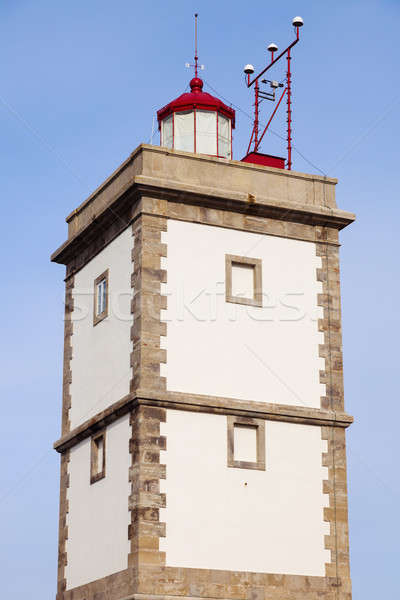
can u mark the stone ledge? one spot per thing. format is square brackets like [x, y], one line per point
[124, 209]
[245, 408]
[266, 205]
[189, 178]
[207, 404]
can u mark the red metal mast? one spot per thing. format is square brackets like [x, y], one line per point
[289, 113]
[256, 114]
[255, 139]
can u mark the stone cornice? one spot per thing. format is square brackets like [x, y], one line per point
[261, 206]
[192, 179]
[207, 404]
[118, 212]
[121, 211]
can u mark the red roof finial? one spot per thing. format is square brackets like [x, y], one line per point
[196, 84]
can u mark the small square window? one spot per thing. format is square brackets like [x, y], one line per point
[98, 457]
[100, 308]
[243, 280]
[246, 443]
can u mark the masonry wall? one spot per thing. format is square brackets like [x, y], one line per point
[100, 365]
[233, 519]
[186, 524]
[98, 516]
[268, 354]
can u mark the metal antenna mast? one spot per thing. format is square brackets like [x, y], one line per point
[196, 58]
[260, 95]
[196, 65]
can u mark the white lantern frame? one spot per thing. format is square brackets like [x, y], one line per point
[189, 132]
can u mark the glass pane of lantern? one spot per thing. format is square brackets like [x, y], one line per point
[184, 131]
[166, 137]
[224, 136]
[206, 132]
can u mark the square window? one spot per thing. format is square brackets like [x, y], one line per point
[98, 457]
[246, 443]
[100, 307]
[243, 280]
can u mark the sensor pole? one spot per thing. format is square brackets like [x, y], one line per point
[289, 111]
[256, 115]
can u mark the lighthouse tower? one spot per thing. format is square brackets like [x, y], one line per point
[203, 425]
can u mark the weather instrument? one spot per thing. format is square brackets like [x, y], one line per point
[271, 93]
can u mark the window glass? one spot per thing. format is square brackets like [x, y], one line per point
[184, 131]
[101, 296]
[206, 132]
[224, 136]
[167, 132]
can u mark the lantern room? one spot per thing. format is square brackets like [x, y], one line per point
[197, 122]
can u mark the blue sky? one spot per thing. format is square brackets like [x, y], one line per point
[80, 84]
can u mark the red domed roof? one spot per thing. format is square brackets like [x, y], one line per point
[196, 98]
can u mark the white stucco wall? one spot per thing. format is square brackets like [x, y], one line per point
[98, 515]
[267, 354]
[273, 524]
[100, 362]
